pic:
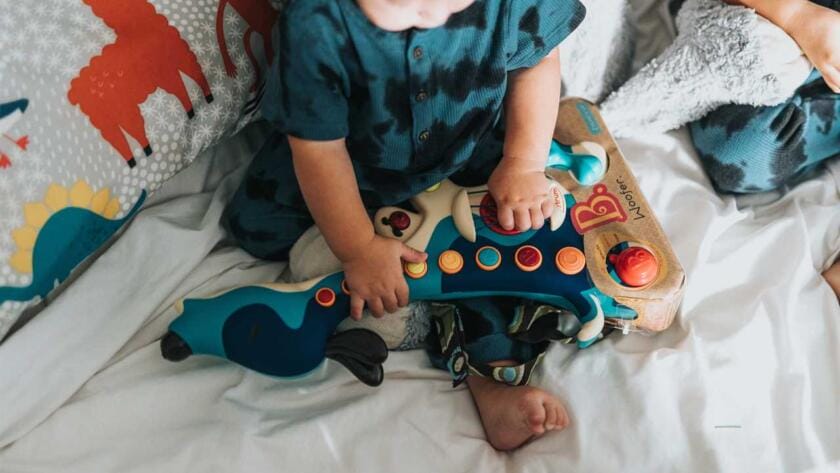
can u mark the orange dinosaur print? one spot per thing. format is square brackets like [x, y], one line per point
[148, 54]
[260, 16]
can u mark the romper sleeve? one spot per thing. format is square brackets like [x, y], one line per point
[536, 27]
[307, 86]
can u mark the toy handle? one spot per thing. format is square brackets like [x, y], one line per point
[586, 161]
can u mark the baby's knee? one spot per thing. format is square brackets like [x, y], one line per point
[258, 233]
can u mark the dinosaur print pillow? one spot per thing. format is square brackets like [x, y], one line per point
[101, 102]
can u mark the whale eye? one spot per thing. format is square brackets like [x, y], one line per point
[399, 220]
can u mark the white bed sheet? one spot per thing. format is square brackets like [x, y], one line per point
[747, 379]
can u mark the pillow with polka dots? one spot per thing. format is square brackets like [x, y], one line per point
[101, 102]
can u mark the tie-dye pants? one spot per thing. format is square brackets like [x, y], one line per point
[754, 149]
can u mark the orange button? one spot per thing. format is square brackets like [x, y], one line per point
[450, 262]
[570, 260]
[325, 297]
[416, 270]
[528, 258]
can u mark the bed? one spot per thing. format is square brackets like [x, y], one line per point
[747, 378]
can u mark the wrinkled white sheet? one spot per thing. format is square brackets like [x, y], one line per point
[747, 379]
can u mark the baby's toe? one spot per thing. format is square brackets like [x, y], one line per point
[534, 410]
[551, 413]
[562, 416]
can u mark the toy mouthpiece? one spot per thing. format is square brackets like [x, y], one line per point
[636, 267]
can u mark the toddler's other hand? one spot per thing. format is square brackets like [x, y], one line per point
[817, 31]
[374, 275]
[520, 189]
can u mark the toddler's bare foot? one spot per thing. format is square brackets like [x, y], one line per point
[512, 415]
[832, 275]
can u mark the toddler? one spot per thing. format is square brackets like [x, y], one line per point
[375, 101]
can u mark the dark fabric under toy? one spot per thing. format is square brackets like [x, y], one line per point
[754, 149]
[471, 334]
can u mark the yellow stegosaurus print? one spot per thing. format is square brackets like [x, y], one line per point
[57, 198]
[60, 232]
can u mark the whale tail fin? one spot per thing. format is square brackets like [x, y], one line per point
[362, 352]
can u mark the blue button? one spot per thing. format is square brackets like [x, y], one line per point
[488, 258]
[509, 374]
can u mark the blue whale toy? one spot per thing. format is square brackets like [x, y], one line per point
[287, 330]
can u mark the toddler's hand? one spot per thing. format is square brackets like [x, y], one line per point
[521, 192]
[817, 31]
[374, 276]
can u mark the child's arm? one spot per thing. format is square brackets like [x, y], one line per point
[372, 264]
[814, 27]
[518, 184]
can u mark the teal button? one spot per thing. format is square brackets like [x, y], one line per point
[489, 257]
[509, 374]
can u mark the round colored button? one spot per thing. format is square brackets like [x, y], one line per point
[434, 187]
[416, 270]
[325, 297]
[450, 262]
[570, 260]
[399, 220]
[489, 214]
[635, 266]
[528, 258]
[344, 288]
[488, 258]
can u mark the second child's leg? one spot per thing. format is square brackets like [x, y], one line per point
[753, 149]
[832, 276]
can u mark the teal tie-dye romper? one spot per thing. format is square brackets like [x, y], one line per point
[415, 107]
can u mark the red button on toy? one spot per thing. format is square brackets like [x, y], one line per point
[635, 266]
[399, 220]
[528, 258]
[489, 214]
[325, 297]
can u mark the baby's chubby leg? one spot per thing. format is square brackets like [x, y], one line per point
[512, 415]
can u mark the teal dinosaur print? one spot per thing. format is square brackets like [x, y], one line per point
[68, 237]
